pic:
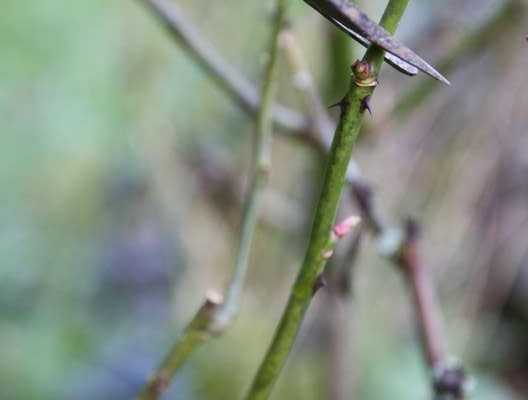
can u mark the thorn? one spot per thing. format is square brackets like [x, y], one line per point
[342, 104]
[320, 282]
[365, 105]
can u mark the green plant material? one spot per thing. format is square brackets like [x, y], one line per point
[352, 109]
[197, 332]
[473, 43]
[260, 169]
[217, 314]
[339, 54]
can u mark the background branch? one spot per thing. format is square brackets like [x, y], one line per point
[242, 91]
[471, 44]
[337, 322]
[216, 314]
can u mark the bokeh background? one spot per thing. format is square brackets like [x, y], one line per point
[122, 170]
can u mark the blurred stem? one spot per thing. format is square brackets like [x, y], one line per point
[340, 55]
[195, 334]
[304, 82]
[467, 47]
[216, 315]
[337, 301]
[345, 136]
[449, 378]
[242, 91]
[260, 168]
[341, 52]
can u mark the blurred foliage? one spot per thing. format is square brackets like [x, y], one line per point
[109, 237]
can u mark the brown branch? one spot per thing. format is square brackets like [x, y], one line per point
[428, 315]
[449, 381]
[336, 320]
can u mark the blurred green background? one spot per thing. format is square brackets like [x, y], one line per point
[122, 168]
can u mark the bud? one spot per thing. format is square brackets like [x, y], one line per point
[344, 227]
[363, 74]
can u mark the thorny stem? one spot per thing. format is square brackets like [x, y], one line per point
[400, 246]
[345, 136]
[338, 272]
[216, 315]
[292, 123]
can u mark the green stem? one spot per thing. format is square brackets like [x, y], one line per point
[216, 314]
[196, 333]
[261, 166]
[345, 136]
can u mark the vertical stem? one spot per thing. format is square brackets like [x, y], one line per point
[339, 54]
[216, 314]
[260, 168]
[345, 136]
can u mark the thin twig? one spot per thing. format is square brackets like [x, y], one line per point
[261, 168]
[400, 246]
[199, 330]
[244, 93]
[339, 278]
[217, 314]
[352, 107]
[303, 81]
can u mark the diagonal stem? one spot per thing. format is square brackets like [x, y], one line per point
[345, 136]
